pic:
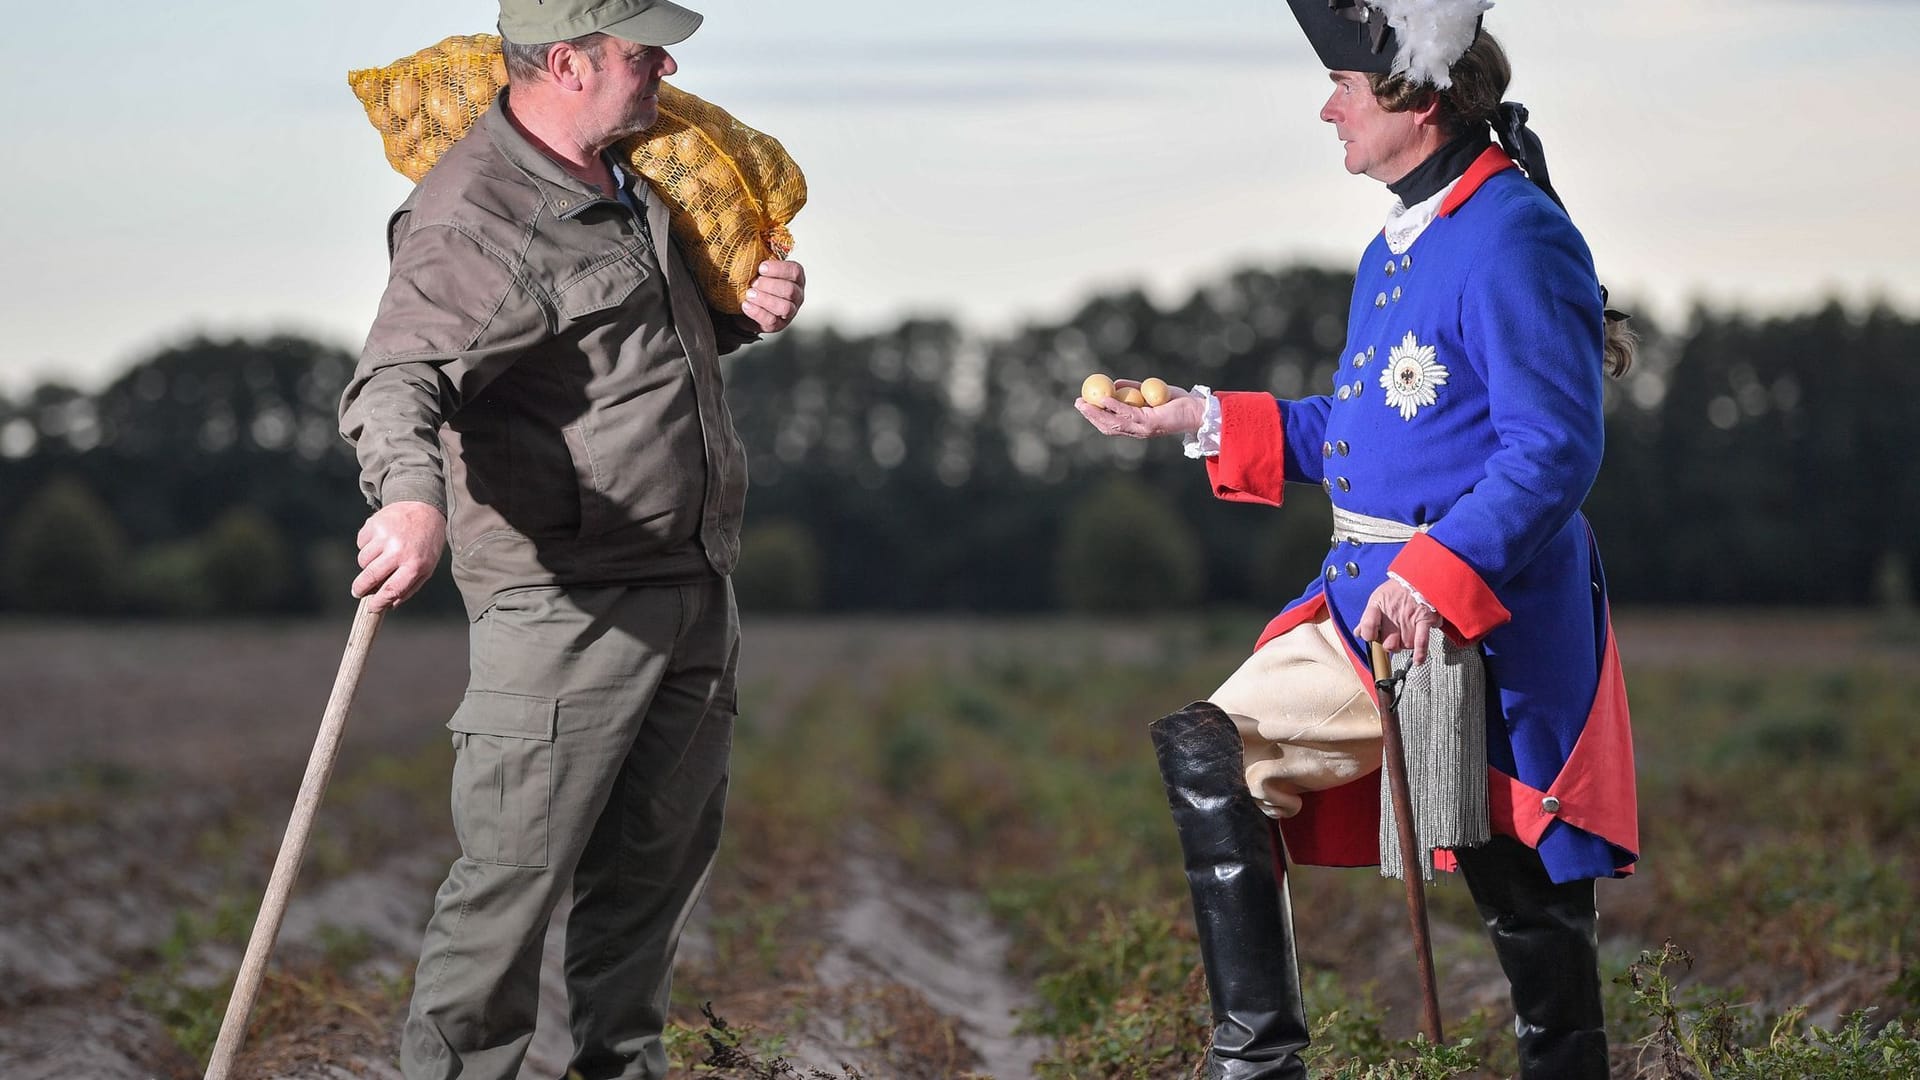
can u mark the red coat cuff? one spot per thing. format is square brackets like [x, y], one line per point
[1252, 463]
[1455, 589]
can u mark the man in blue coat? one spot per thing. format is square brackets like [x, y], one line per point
[1460, 435]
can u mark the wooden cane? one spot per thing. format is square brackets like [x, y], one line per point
[1410, 856]
[293, 849]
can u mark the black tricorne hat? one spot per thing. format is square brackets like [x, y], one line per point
[1420, 39]
[1347, 35]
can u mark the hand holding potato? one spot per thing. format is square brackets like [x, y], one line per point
[1138, 410]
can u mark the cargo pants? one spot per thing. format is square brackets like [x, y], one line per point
[590, 751]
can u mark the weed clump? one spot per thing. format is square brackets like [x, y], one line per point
[731, 1053]
[1702, 1037]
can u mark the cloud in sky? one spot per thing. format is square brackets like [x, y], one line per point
[997, 161]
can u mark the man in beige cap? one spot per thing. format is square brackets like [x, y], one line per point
[541, 388]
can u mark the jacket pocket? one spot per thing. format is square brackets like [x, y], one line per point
[606, 282]
[596, 515]
[503, 776]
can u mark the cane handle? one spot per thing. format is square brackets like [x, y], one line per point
[1382, 661]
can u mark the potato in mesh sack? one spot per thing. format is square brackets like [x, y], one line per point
[729, 189]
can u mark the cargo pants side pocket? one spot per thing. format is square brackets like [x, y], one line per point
[503, 776]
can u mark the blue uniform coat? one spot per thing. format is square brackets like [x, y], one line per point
[1468, 398]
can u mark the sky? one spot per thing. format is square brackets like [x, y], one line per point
[203, 168]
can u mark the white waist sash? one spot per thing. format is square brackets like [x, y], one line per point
[1351, 526]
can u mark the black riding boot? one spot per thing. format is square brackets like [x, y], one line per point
[1545, 937]
[1239, 902]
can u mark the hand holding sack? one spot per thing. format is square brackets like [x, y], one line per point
[730, 190]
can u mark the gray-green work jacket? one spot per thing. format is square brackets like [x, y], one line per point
[534, 374]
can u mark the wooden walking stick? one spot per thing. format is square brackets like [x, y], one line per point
[1410, 855]
[293, 849]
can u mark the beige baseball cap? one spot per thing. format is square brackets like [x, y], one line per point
[645, 22]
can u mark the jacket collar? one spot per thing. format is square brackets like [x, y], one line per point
[1491, 162]
[564, 195]
[1442, 167]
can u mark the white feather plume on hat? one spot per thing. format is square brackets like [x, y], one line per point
[1432, 35]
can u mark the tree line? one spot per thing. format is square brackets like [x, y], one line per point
[1752, 459]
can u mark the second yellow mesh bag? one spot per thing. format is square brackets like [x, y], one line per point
[731, 190]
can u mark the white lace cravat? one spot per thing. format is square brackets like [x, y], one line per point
[1406, 223]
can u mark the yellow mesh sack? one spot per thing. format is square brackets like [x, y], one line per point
[730, 190]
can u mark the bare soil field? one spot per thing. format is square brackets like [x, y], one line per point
[218, 700]
[148, 769]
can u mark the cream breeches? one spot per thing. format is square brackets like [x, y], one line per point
[1306, 720]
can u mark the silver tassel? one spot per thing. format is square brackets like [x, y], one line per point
[1442, 706]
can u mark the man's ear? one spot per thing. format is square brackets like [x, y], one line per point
[1427, 113]
[564, 65]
